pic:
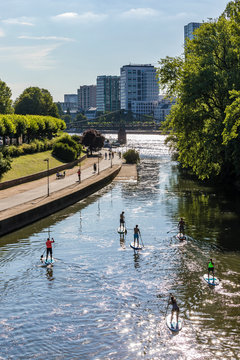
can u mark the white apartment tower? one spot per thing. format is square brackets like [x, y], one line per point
[138, 88]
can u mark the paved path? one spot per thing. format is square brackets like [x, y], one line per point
[36, 189]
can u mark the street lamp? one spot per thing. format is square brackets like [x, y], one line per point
[47, 160]
[98, 163]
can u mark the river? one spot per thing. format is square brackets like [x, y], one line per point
[101, 300]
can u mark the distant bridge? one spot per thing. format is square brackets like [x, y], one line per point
[115, 120]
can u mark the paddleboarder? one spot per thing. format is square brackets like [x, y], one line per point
[136, 235]
[181, 226]
[122, 219]
[49, 248]
[211, 269]
[175, 308]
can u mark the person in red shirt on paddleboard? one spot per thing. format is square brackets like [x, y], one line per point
[49, 248]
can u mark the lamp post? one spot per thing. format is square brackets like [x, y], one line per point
[80, 173]
[98, 163]
[47, 160]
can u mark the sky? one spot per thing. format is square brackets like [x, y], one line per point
[60, 45]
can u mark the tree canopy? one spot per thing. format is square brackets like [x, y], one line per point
[36, 101]
[93, 139]
[5, 99]
[204, 123]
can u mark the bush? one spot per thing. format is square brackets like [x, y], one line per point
[64, 152]
[131, 156]
[12, 151]
[5, 164]
[69, 140]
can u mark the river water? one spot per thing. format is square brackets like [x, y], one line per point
[101, 300]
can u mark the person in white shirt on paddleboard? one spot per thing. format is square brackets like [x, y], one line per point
[175, 308]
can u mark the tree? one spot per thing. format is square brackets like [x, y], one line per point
[202, 82]
[131, 156]
[5, 99]
[93, 139]
[36, 101]
[81, 117]
[60, 111]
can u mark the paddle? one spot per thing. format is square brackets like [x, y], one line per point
[167, 304]
[141, 239]
[125, 228]
[42, 255]
[170, 230]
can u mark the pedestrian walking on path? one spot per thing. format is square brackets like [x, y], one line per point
[79, 175]
[94, 167]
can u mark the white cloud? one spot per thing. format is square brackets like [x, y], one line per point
[2, 34]
[81, 18]
[54, 38]
[29, 57]
[19, 21]
[140, 13]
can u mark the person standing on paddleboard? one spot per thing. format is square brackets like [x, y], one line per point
[136, 235]
[211, 269]
[49, 248]
[122, 219]
[181, 226]
[175, 308]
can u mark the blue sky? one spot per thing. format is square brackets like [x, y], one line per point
[59, 45]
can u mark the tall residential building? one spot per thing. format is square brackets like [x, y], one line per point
[108, 93]
[139, 88]
[189, 29]
[86, 97]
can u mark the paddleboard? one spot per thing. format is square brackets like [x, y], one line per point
[173, 325]
[181, 237]
[121, 230]
[135, 247]
[48, 262]
[210, 282]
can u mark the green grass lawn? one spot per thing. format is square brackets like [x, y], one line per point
[30, 164]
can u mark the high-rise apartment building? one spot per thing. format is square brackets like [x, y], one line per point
[108, 93]
[86, 97]
[138, 88]
[189, 29]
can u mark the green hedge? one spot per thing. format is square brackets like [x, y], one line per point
[33, 147]
[64, 152]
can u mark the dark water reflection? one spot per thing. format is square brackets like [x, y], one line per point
[103, 301]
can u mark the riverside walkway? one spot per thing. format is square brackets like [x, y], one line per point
[31, 191]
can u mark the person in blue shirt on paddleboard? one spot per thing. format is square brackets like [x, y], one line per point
[122, 219]
[136, 235]
[175, 308]
[211, 269]
[181, 226]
